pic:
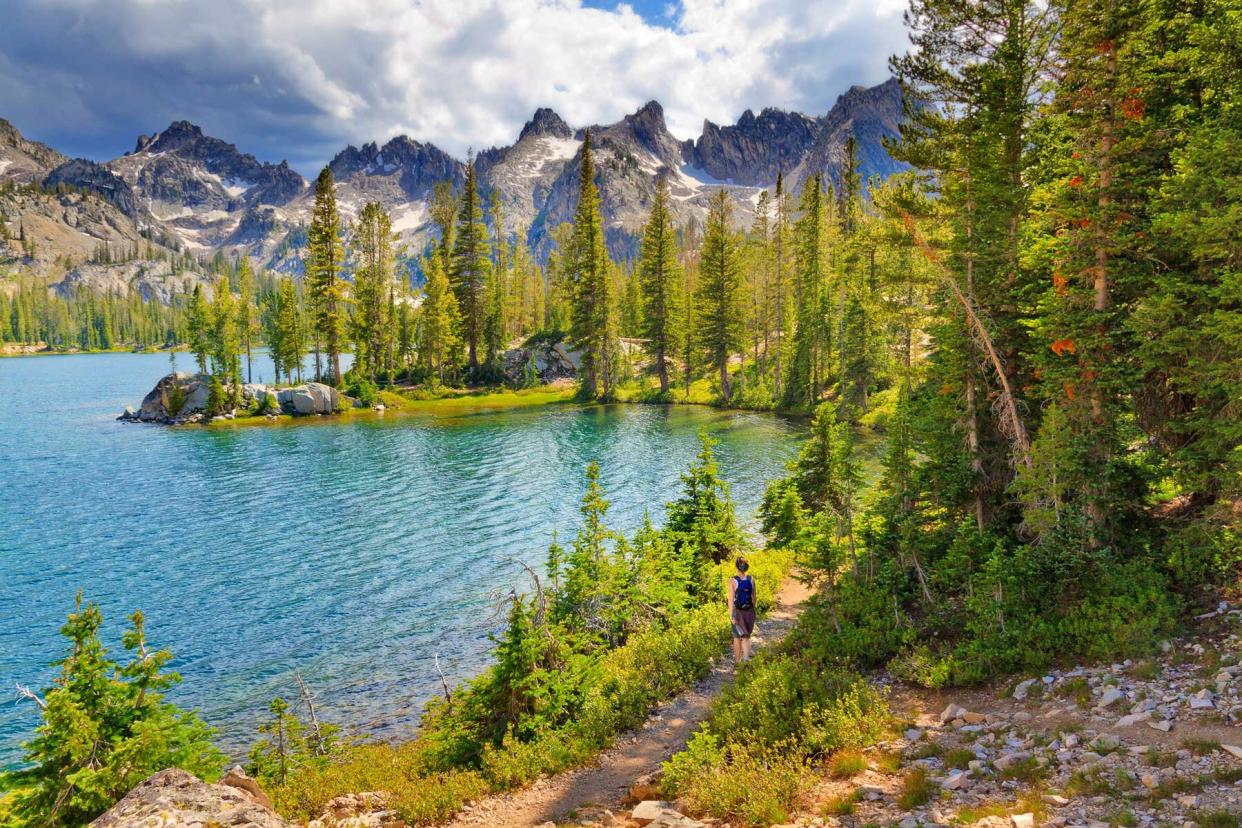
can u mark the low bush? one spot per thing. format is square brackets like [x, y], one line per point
[747, 784]
[751, 761]
[362, 390]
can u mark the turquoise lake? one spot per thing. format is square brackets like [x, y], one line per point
[351, 551]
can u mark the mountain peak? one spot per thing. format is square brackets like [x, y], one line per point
[178, 134]
[650, 113]
[546, 122]
[890, 89]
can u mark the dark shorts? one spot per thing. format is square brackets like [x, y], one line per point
[743, 623]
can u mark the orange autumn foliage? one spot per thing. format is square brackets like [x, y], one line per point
[1059, 282]
[1063, 346]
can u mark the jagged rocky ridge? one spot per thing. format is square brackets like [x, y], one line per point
[210, 196]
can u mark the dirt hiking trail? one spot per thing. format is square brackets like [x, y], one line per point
[606, 783]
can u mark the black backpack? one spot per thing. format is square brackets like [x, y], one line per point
[744, 593]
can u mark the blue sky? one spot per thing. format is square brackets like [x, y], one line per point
[656, 12]
[300, 79]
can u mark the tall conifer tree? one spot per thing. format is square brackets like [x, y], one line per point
[324, 274]
[660, 278]
[719, 323]
[471, 268]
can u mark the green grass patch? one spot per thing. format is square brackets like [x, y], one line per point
[846, 763]
[1029, 771]
[959, 758]
[886, 762]
[1217, 819]
[926, 750]
[916, 789]
[1201, 747]
[841, 805]
[1077, 689]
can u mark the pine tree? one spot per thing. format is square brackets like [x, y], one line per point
[719, 324]
[661, 280]
[578, 601]
[858, 286]
[106, 727]
[292, 331]
[810, 334]
[438, 323]
[972, 82]
[198, 328]
[444, 207]
[759, 283]
[702, 521]
[471, 269]
[496, 323]
[247, 320]
[324, 274]
[372, 244]
[781, 321]
[593, 323]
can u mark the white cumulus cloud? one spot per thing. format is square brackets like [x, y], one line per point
[300, 78]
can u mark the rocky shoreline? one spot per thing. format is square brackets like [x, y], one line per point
[184, 398]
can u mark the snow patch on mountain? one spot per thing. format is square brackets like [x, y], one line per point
[411, 217]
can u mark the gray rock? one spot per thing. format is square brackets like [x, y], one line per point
[956, 781]
[649, 810]
[176, 799]
[1106, 741]
[950, 713]
[1023, 689]
[1110, 696]
[178, 395]
[311, 398]
[1010, 759]
[1203, 700]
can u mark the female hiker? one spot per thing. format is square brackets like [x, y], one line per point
[742, 610]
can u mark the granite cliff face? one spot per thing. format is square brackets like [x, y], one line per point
[24, 161]
[755, 149]
[524, 173]
[80, 174]
[203, 195]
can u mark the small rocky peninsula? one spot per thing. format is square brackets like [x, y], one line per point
[182, 398]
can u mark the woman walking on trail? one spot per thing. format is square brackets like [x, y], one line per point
[742, 610]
